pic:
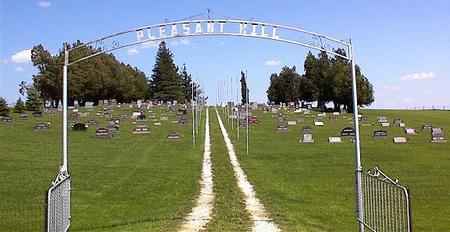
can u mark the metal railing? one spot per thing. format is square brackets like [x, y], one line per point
[58, 205]
[387, 205]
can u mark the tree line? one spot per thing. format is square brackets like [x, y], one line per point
[325, 79]
[103, 77]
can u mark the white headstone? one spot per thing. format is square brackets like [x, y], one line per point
[292, 123]
[334, 140]
[385, 124]
[318, 123]
[410, 131]
[400, 140]
[307, 138]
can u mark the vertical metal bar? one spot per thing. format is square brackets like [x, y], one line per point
[248, 102]
[358, 166]
[64, 167]
[193, 113]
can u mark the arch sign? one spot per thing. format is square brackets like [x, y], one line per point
[214, 27]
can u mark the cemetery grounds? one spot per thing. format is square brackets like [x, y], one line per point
[146, 183]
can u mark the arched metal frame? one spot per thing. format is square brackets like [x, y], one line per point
[221, 27]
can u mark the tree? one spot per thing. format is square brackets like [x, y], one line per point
[101, 77]
[244, 89]
[4, 109]
[166, 84]
[187, 83]
[34, 101]
[20, 106]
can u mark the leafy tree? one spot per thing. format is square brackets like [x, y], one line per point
[101, 77]
[20, 106]
[165, 83]
[4, 109]
[244, 89]
[34, 101]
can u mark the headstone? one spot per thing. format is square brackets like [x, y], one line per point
[141, 129]
[292, 123]
[173, 135]
[282, 127]
[103, 133]
[410, 131]
[6, 119]
[402, 124]
[347, 131]
[23, 116]
[400, 140]
[380, 134]
[333, 140]
[382, 119]
[307, 138]
[164, 118]
[157, 124]
[427, 126]
[37, 114]
[92, 122]
[385, 124]
[79, 127]
[437, 135]
[318, 123]
[307, 130]
[41, 126]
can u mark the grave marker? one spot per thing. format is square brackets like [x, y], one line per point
[379, 134]
[347, 131]
[173, 135]
[333, 140]
[400, 140]
[437, 135]
[79, 127]
[307, 138]
[410, 131]
[292, 123]
[103, 133]
[141, 129]
[41, 126]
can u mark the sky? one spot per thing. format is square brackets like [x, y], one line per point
[402, 46]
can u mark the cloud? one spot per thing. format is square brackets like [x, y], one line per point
[132, 51]
[273, 62]
[44, 4]
[418, 76]
[23, 56]
[19, 69]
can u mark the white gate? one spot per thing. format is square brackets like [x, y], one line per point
[58, 205]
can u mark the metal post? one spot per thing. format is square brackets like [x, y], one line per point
[64, 167]
[248, 102]
[238, 113]
[358, 166]
[193, 113]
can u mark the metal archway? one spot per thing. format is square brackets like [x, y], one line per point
[211, 27]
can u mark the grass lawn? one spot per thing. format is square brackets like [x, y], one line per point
[310, 187]
[128, 183]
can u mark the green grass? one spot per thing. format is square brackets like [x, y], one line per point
[229, 210]
[128, 183]
[310, 187]
[147, 183]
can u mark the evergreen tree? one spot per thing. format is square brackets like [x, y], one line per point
[4, 109]
[244, 89]
[187, 83]
[20, 106]
[166, 84]
[34, 101]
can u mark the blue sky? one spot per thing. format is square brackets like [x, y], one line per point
[402, 46]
